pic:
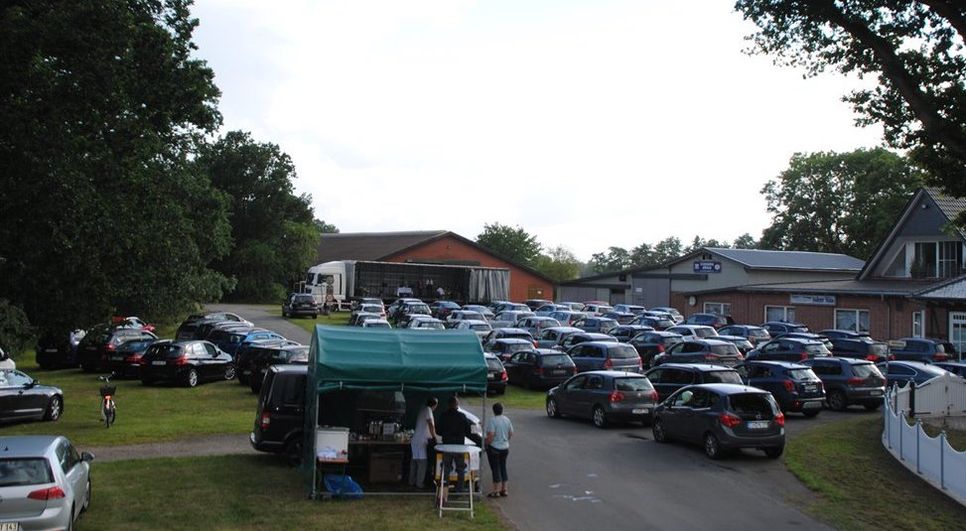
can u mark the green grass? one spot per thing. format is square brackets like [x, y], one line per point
[861, 486]
[956, 438]
[308, 324]
[144, 414]
[246, 492]
[520, 398]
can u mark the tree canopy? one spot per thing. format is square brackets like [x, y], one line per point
[837, 202]
[647, 255]
[101, 110]
[914, 48]
[512, 243]
[558, 263]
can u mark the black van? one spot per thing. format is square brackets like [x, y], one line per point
[280, 414]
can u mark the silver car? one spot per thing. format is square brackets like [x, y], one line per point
[44, 482]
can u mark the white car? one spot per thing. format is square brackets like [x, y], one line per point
[6, 362]
[44, 482]
[480, 327]
[376, 323]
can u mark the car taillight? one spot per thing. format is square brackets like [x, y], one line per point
[789, 385]
[803, 356]
[503, 376]
[654, 396]
[535, 344]
[133, 359]
[47, 494]
[608, 363]
[266, 420]
[939, 357]
[871, 357]
[729, 419]
[616, 396]
[110, 347]
[855, 381]
[660, 347]
[892, 357]
[779, 419]
[181, 360]
[640, 364]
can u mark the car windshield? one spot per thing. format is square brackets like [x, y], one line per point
[801, 374]
[555, 359]
[168, 350]
[632, 384]
[31, 471]
[516, 347]
[758, 332]
[750, 403]
[730, 377]
[622, 352]
[705, 332]
[304, 298]
[421, 309]
[430, 324]
[725, 350]
[816, 349]
[864, 370]
[481, 327]
[13, 379]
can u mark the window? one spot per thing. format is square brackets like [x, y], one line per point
[857, 320]
[717, 308]
[918, 323]
[937, 259]
[779, 313]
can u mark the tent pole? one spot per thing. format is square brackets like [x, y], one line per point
[484, 439]
[315, 464]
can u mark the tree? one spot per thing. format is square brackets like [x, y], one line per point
[915, 48]
[559, 263]
[275, 231]
[325, 228]
[102, 108]
[615, 259]
[837, 202]
[745, 241]
[699, 242]
[667, 249]
[511, 243]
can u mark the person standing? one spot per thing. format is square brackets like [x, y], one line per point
[453, 428]
[499, 430]
[424, 432]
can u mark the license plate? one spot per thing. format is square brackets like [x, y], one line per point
[758, 425]
[45, 350]
[9, 526]
[876, 392]
[812, 405]
[641, 411]
[560, 373]
[158, 363]
[491, 377]
[809, 388]
[117, 358]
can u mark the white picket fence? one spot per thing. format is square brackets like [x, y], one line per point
[932, 458]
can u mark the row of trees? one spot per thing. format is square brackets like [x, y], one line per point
[115, 198]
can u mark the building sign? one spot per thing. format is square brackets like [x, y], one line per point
[706, 266]
[813, 300]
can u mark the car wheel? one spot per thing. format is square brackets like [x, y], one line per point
[54, 408]
[230, 372]
[811, 413]
[872, 406]
[657, 430]
[191, 378]
[293, 451]
[712, 447]
[837, 401]
[599, 417]
[774, 452]
[87, 499]
[552, 410]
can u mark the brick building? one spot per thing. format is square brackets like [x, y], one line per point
[432, 247]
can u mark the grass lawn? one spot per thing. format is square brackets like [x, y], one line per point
[308, 324]
[245, 492]
[144, 414]
[956, 438]
[861, 486]
[520, 398]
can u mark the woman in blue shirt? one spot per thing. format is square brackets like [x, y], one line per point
[499, 429]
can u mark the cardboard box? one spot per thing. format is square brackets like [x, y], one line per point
[386, 467]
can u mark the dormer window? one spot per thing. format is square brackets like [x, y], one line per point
[937, 260]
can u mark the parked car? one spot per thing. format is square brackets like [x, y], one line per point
[834, 333]
[126, 360]
[955, 367]
[23, 398]
[426, 324]
[486, 312]
[480, 327]
[245, 356]
[922, 349]
[44, 482]
[496, 375]
[808, 336]
[605, 355]
[407, 310]
[673, 312]
[533, 304]
[375, 323]
[754, 334]
[789, 349]
[547, 309]
[505, 347]
[722, 417]
[103, 341]
[694, 331]
[777, 328]
[568, 317]
[456, 316]
[604, 397]
[620, 317]
[670, 377]
[700, 351]
[186, 362]
[356, 319]
[189, 327]
[902, 372]
[279, 415]
[794, 386]
[650, 344]
[656, 322]
[709, 319]
[540, 368]
[236, 340]
[535, 324]
[506, 333]
[300, 304]
[574, 306]
[744, 346]
[863, 348]
[506, 306]
[508, 318]
[355, 304]
[849, 381]
[553, 336]
[624, 333]
[441, 309]
[629, 308]
[582, 337]
[58, 349]
[594, 308]
[278, 354]
[596, 324]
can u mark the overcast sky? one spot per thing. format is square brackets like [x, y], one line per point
[588, 123]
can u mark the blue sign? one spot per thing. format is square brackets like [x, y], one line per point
[705, 266]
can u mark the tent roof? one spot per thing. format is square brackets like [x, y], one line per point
[349, 357]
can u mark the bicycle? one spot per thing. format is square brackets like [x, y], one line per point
[108, 408]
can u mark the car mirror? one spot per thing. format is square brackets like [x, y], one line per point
[31, 384]
[87, 457]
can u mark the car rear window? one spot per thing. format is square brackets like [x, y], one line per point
[168, 351]
[816, 349]
[704, 332]
[940, 349]
[799, 329]
[481, 327]
[730, 377]
[494, 364]
[623, 351]
[528, 337]
[304, 298]
[864, 370]
[430, 324]
[632, 384]
[758, 332]
[516, 347]
[554, 359]
[725, 350]
[31, 471]
[750, 403]
[801, 374]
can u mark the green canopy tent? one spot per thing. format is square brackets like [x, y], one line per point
[345, 358]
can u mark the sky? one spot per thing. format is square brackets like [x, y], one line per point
[589, 124]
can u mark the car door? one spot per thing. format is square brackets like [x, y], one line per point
[675, 410]
[74, 471]
[691, 419]
[592, 393]
[565, 393]
[216, 362]
[513, 367]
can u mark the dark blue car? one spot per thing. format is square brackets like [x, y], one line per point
[794, 386]
[902, 372]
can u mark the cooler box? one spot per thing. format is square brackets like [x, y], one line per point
[332, 445]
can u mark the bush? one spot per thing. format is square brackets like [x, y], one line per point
[15, 330]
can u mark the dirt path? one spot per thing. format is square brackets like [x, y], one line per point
[196, 446]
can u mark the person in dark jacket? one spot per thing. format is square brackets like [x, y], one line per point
[453, 427]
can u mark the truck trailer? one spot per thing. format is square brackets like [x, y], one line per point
[335, 284]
